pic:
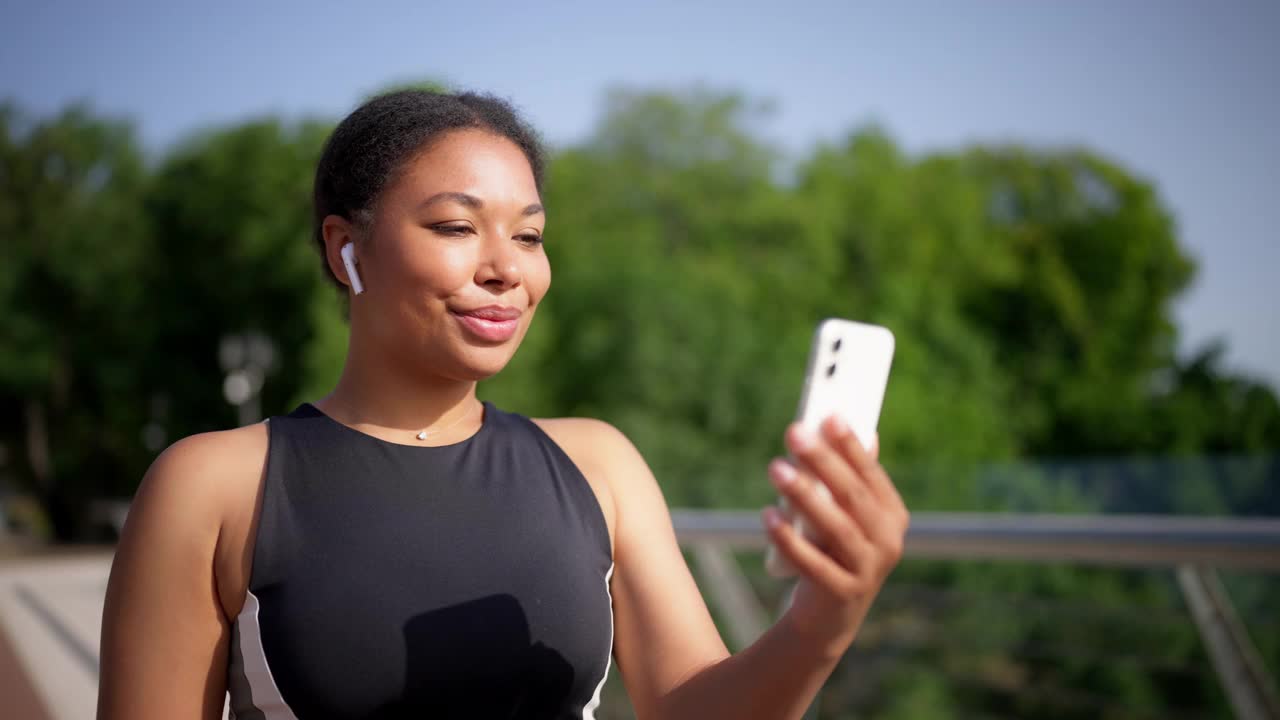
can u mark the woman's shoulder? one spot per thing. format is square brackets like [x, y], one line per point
[204, 478]
[604, 453]
[194, 504]
[604, 456]
[211, 462]
[591, 443]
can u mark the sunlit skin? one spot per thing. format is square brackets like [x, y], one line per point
[458, 229]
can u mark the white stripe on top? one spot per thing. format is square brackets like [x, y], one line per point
[589, 712]
[263, 692]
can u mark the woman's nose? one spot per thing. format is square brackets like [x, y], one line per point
[499, 263]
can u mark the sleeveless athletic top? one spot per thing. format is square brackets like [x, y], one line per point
[400, 581]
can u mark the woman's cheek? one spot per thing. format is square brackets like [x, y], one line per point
[445, 269]
[538, 279]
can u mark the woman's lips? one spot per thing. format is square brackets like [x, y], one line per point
[490, 324]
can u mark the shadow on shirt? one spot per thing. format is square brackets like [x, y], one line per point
[477, 660]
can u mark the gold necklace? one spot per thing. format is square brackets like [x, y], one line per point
[423, 435]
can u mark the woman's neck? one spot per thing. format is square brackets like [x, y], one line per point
[402, 408]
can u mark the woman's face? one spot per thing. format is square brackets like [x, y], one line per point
[453, 265]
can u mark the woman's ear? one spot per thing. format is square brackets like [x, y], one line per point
[338, 232]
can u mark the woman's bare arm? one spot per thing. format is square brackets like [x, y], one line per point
[672, 659]
[164, 629]
[663, 632]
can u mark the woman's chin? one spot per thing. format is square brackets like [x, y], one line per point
[477, 365]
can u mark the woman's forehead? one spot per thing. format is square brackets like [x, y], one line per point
[474, 163]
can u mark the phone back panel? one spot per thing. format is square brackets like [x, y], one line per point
[847, 375]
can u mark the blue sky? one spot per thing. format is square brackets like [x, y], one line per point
[1186, 94]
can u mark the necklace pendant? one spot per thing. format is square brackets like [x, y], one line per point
[422, 435]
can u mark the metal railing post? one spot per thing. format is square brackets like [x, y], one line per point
[729, 591]
[1239, 667]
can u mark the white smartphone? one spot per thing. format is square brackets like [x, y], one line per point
[847, 375]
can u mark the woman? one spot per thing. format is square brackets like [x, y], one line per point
[400, 549]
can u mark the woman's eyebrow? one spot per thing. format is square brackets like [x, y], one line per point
[475, 203]
[461, 198]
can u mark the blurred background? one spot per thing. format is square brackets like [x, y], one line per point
[1066, 212]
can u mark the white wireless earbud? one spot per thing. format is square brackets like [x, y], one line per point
[349, 260]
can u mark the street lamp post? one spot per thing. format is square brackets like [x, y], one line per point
[246, 358]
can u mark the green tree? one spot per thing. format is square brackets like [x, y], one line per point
[906, 236]
[231, 212]
[73, 238]
[1084, 322]
[1200, 407]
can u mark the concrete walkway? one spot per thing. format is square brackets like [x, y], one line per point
[50, 634]
[20, 698]
[50, 621]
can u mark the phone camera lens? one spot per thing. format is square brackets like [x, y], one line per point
[831, 369]
[835, 347]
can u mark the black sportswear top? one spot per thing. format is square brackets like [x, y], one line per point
[401, 581]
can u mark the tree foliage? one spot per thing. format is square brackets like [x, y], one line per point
[232, 252]
[74, 242]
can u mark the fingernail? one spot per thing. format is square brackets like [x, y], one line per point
[782, 472]
[840, 427]
[771, 518]
[803, 439]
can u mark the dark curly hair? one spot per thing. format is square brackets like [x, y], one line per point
[371, 145]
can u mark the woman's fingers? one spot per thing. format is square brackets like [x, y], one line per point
[826, 459]
[884, 516]
[836, 530]
[817, 457]
[808, 560]
[866, 524]
[865, 463]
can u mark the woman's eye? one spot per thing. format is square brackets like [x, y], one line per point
[455, 230]
[463, 230]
